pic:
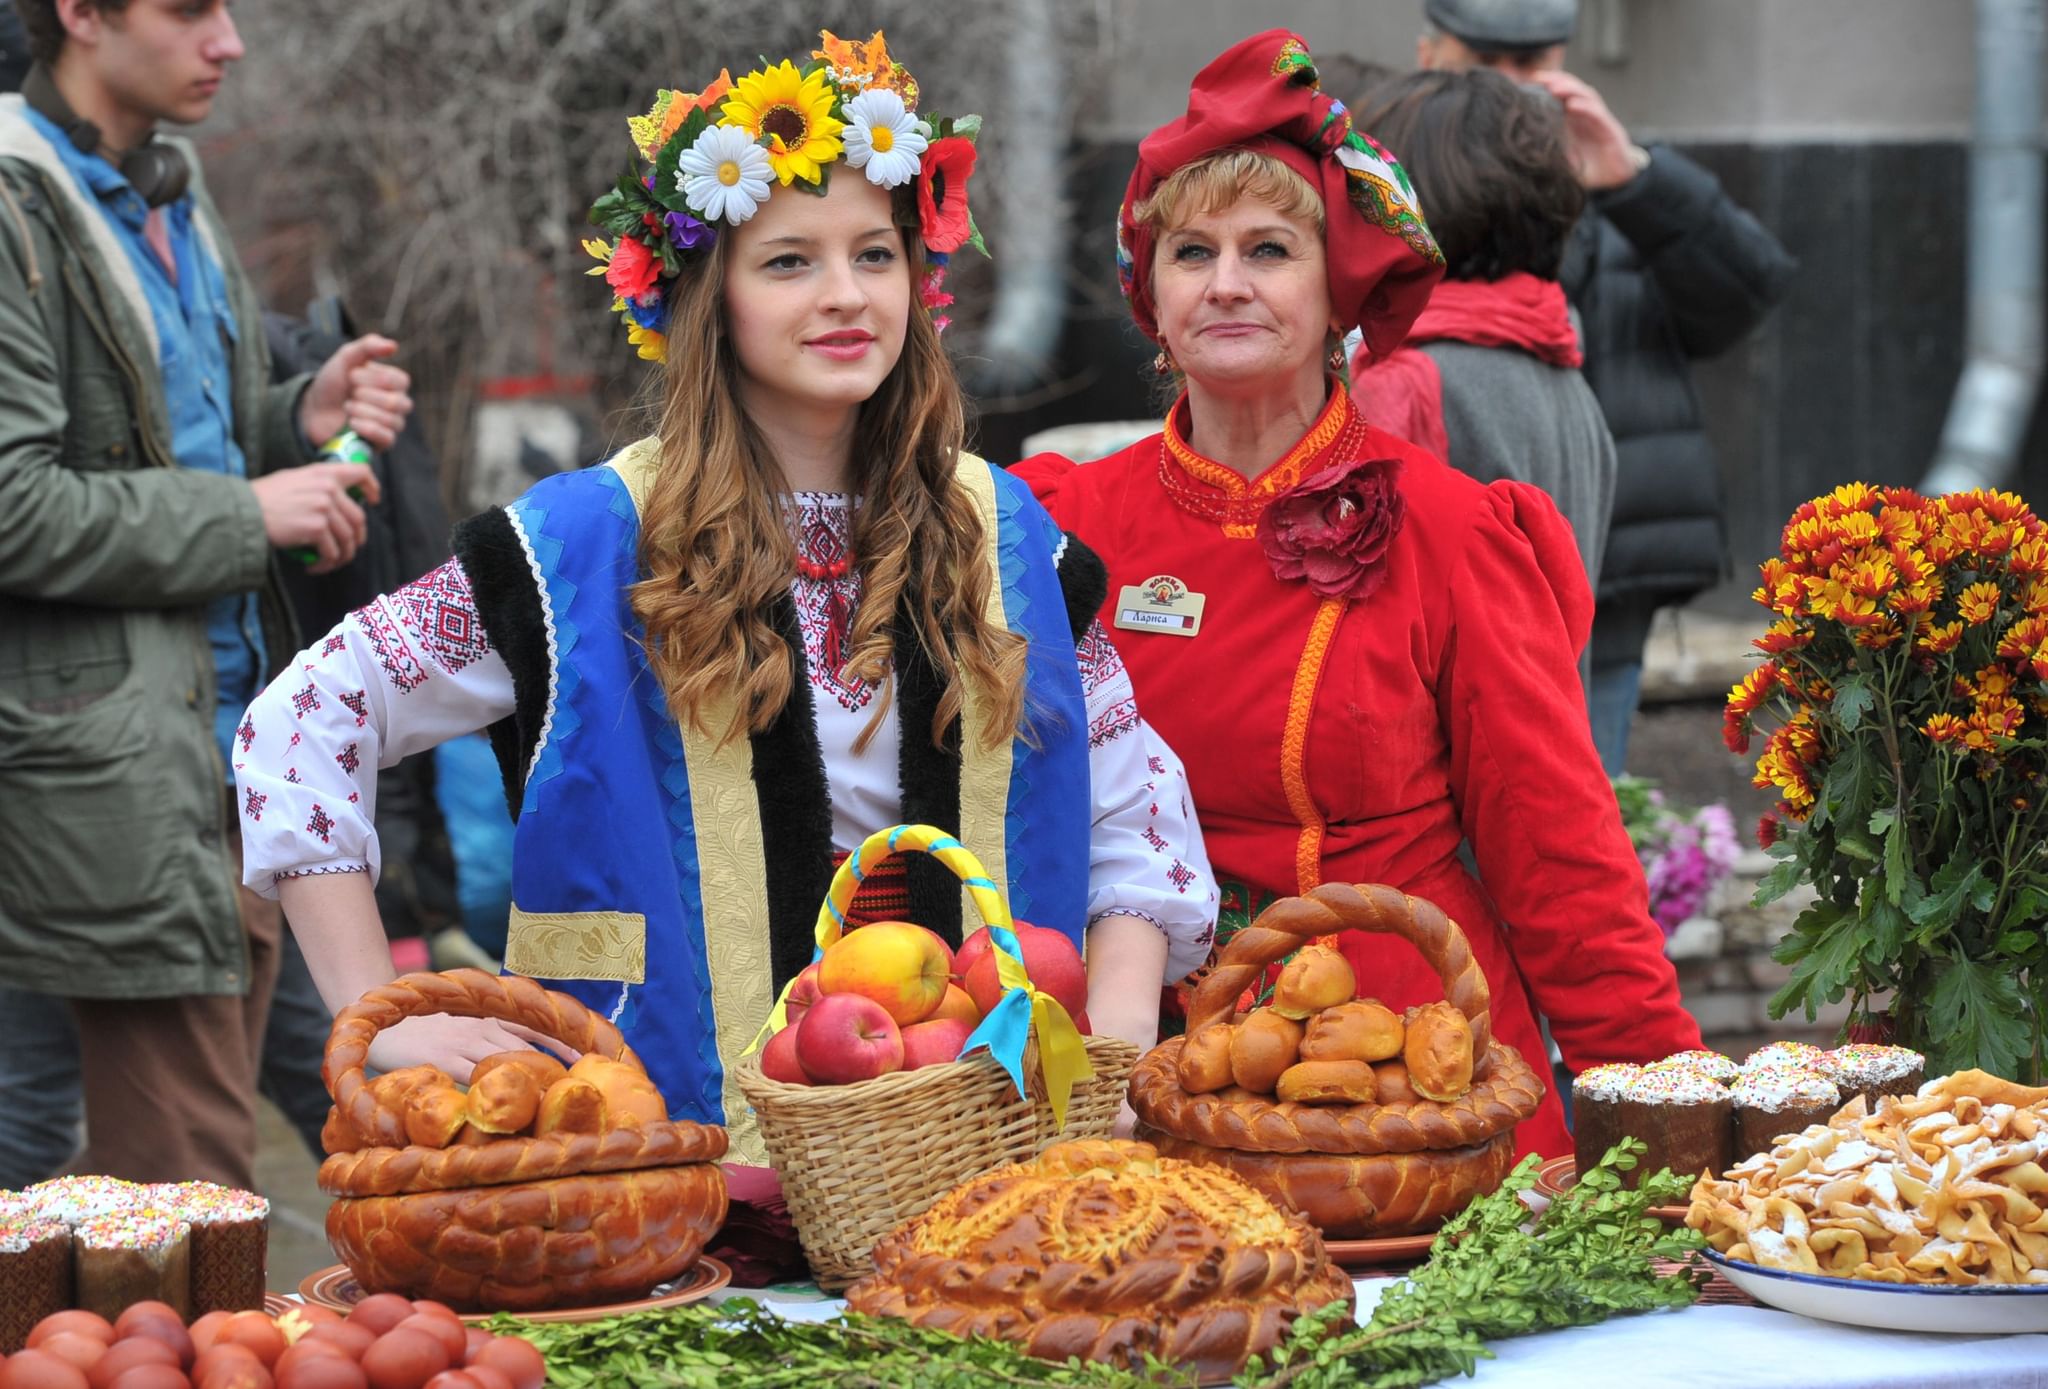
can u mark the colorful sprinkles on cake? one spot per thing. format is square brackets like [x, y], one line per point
[1774, 1088]
[19, 1234]
[1865, 1063]
[1675, 1085]
[1711, 1064]
[208, 1203]
[1801, 1054]
[141, 1228]
[1606, 1083]
[76, 1199]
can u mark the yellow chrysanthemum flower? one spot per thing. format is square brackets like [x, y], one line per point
[1978, 603]
[794, 113]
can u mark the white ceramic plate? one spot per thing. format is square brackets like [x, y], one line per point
[1893, 1306]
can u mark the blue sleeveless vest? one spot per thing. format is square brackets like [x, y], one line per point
[638, 878]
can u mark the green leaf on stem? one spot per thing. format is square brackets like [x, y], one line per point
[1779, 881]
[2029, 906]
[1853, 699]
[1895, 872]
[1977, 1018]
[1955, 885]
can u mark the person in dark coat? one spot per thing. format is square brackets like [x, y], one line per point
[1664, 270]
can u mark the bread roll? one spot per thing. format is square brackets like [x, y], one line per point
[571, 1105]
[1438, 1050]
[1261, 1047]
[504, 1099]
[1205, 1061]
[1328, 1082]
[1392, 1078]
[546, 1069]
[434, 1114]
[338, 1135]
[1362, 1030]
[1316, 978]
[629, 1096]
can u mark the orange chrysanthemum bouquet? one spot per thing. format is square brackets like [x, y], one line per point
[1906, 685]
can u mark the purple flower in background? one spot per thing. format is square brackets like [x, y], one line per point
[686, 233]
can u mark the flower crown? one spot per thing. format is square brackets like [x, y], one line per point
[716, 155]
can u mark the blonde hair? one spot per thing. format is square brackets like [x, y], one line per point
[718, 555]
[1215, 181]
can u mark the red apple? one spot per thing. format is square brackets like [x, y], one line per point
[1049, 958]
[956, 1005]
[803, 992]
[929, 1043]
[778, 1058]
[900, 966]
[848, 1037]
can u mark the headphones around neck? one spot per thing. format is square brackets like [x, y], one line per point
[155, 169]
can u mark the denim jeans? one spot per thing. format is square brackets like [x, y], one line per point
[1612, 701]
[44, 1105]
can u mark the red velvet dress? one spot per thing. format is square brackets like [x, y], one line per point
[1447, 708]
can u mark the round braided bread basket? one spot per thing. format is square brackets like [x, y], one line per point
[1355, 1171]
[857, 1161]
[514, 1224]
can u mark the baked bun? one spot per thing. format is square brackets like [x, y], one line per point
[1438, 1050]
[1205, 1061]
[629, 1096]
[572, 1104]
[338, 1135]
[1327, 1082]
[1393, 1083]
[1362, 1030]
[1316, 978]
[433, 1114]
[546, 1069]
[1103, 1250]
[1261, 1047]
[504, 1099]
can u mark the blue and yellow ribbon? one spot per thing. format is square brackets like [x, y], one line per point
[1023, 1008]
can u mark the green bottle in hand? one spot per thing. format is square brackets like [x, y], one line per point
[345, 447]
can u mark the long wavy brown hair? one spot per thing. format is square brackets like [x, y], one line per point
[717, 552]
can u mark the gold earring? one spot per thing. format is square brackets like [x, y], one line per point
[1162, 364]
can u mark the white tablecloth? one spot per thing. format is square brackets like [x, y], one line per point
[1721, 1348]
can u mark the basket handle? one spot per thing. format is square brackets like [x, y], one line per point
[1293, 922]
[1024, 1011]
[468, 993]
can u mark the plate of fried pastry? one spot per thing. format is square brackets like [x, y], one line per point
[1920, 1212]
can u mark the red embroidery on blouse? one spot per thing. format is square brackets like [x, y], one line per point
[823, 528]
[442, 612]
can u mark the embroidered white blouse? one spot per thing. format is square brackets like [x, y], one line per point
[415, 668]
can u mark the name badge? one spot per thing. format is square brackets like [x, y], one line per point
[1160, 604]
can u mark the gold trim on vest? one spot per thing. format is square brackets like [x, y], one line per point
[578, 945]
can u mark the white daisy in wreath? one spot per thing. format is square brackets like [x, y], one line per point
[883, 140]
[724, 176]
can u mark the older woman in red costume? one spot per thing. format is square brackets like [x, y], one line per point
[1365, 658]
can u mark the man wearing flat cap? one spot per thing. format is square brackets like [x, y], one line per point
[1664, 269]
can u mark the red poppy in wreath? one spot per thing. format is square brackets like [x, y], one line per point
[633, 270]
[1334, 528]
[942, 193]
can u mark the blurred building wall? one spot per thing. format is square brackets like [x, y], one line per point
[1840, 123]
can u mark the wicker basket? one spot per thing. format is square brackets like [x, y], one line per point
[856, 1161]
[515, 1224]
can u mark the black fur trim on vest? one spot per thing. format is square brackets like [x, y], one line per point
[1084, 580]
[929, 777]
[508, 604]
[796, 815]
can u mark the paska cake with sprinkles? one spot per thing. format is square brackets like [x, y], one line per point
[1597, 1125]
[230, 1242]
[139, 1255]
[1682, 1115]
[35, 1271]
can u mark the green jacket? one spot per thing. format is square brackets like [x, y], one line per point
[116, 879]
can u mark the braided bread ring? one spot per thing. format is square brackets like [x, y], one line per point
[1505, 1091]
[399, 1171]
[469, 993]
[1292, 922]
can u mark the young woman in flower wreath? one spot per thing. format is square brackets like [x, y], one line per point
[798, 613]
[1368, 658]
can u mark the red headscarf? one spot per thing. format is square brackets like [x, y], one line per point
[1262, 95]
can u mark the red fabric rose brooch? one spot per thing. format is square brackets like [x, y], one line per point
[1334, 527]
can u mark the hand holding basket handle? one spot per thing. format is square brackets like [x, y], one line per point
[1024, 1012]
